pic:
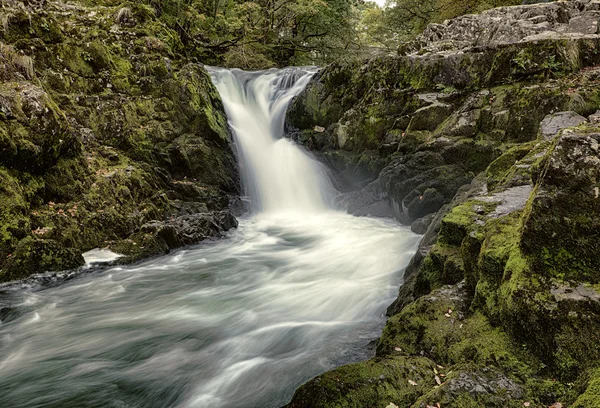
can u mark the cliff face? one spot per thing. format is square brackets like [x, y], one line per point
[484, 136]
[104, 128]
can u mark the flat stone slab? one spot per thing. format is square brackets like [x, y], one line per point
[554, 123]
[511, 200]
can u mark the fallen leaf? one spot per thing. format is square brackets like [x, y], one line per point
[437, 380]
[440, 367]
[449, 311]
[447, 315]
[411, 382]
[392, 405]
[435, 371]
[556, 405]
[397, 349]
[526, 404]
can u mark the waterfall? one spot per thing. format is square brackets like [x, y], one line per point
[294, 291]
[278, 175]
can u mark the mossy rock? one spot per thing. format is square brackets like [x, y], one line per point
[33, 255]
[373, 384]
[590, 398]
[565, 211]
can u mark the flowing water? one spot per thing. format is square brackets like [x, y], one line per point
[297, 289]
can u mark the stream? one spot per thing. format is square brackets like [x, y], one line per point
[297, 289]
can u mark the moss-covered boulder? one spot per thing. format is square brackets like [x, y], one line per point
[562, 229]
[105, 126]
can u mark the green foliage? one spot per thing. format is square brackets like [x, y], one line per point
[262, 33]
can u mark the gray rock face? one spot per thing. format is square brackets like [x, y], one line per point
[552, 124]
[487, 381]
[509, 25]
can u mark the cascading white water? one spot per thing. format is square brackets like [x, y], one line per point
[278, 175]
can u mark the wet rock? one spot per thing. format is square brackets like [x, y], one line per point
[379, 209]
[191, 229]
[416, 204]
[239, 206]
[421, 225]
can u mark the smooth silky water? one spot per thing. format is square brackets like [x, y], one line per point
[297, 289]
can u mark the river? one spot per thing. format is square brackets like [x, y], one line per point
[297, 289]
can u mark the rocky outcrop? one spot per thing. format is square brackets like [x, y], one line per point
[499, 306]
[104, 127]
[509, 25]
[502, 310]
[432, 120]
[158, 237]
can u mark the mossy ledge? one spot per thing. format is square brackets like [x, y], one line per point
[106, 128]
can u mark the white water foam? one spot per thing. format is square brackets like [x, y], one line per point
[278, 174]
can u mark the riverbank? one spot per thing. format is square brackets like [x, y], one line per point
[484, 135]
[110, 137]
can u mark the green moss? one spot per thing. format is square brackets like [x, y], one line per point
[39, 255]
[374, 383]
[443, 265]
[462, 221]
[500, 170]
[14, 223]
[591, 396]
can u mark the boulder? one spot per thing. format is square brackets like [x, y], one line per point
[421, 225]
[191, 229]
[562, 230]
[553, 123]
